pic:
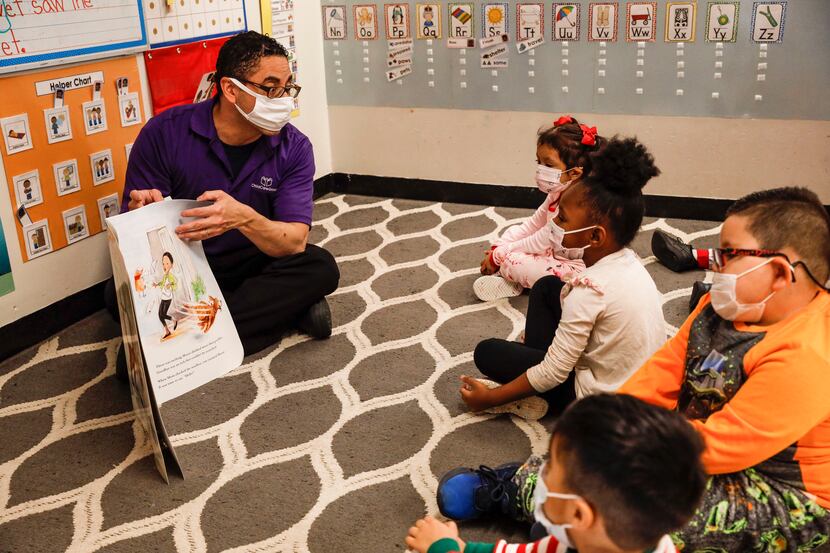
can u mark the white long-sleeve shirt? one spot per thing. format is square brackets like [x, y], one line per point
[612, 321]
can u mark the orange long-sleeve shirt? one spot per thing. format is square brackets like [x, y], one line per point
[762, 399]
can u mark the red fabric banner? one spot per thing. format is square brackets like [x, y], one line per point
[174, 72]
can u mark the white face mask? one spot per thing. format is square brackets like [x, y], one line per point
[558, 235]
[725, 302]
[269, 114]
[540, 496]
[548, 179]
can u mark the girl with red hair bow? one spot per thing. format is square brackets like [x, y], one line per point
[529, 251]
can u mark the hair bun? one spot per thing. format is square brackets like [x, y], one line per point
[622, 166]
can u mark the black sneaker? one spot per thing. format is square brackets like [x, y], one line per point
[672, 252]
[317, 320]
[699, 289]
[466, 494]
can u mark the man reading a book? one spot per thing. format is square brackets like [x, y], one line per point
[239, 152]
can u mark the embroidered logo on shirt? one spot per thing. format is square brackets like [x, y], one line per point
[265, 183]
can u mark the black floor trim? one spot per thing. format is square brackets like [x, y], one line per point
[706, 209]
[40, 325]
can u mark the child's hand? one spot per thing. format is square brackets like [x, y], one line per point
[428, 531]
[475, 394]
[487, 267]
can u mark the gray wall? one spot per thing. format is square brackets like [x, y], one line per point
[796, 86]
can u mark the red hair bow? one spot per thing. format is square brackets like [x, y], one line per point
[589, 135]
[564, 120]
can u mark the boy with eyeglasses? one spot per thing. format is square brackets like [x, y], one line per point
[750, 368]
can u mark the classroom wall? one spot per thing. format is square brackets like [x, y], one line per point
[48, 279]
[700, 156]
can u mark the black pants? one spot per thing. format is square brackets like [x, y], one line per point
[266, 296]
[164, 307]
[503, 361]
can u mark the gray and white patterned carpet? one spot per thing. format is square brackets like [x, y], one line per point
[311, 446]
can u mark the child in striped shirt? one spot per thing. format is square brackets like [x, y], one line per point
[620, 475]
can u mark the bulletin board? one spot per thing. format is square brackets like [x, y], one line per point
[51, 203]
[775, 65]
[39, 33]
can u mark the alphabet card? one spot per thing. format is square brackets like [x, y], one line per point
[461, 20]
[680, 21]
[494, 20]
[722, 21]
[566, 19]
[334, 22]
[530, 22]
[602, 21]
[428, 21]
[640, 21]
[366, 21]
[397, 21]
[768, 21]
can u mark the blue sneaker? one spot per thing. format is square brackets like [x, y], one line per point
[466, 494]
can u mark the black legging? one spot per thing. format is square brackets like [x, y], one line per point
[504, 361]
[164, 307]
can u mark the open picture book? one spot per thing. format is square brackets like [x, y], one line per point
[178, 333]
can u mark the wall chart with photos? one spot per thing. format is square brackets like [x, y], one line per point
[67, 135]
[722, 58]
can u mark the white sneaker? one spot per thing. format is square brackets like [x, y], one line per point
[493, 287]
[530, 408]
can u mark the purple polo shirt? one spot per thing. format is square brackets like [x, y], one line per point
[179, 153]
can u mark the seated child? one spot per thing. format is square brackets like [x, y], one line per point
[621, 474]
[525, 253]
[589, 333]
[750, 368]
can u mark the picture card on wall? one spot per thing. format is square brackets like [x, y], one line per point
[428, 21]
[366, 21]
[641, 21]
[722, 21]
[530, 22]
[58, 125]
[495, 19]
[460, 20]
[602, 21]
[27, 188]
[75, 224]
[768, 21]
[566, 21]
[95, 116]
[102, 167]
[108, 206]
[334, 22]
[397, 21]
[66, 177]
[129, 108]
[37, 239]
[16, 133]
[681, 18]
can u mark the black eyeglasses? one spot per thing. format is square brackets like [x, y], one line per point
[291, 90]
